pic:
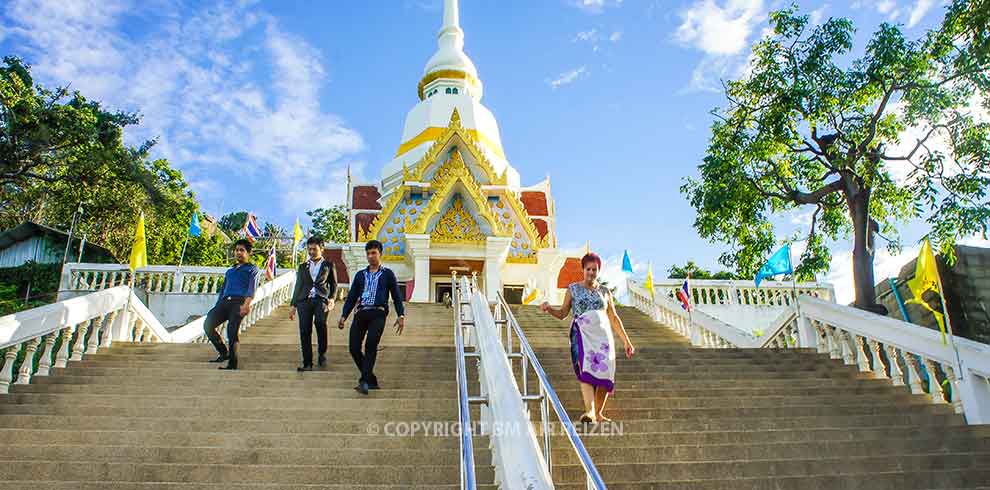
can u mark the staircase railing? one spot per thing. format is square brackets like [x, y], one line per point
[267, 298]
[904, 353]
[547, 396]
[518, 463]
[81, 277]
[36, 340]
[468, 481]
[33, 341]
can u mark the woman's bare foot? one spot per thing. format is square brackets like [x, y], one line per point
[587, 418]
[602, 418]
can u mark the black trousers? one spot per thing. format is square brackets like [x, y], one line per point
[226, 310]
[311, 311]
[367, 328]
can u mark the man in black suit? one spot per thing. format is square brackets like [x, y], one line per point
[313, 299]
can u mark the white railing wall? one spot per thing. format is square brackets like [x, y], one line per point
[82, 277]
[724, 292]
[904, 353]
[518, 462]
[36, 340]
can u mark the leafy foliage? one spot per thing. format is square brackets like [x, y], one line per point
[233, 222]
[330, 223]
[805, 129]
[692, 269]
[60, 151]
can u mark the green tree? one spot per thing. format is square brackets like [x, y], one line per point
[59, 150]
[330, 223]
[805, 128]
[696, 272]
[233, 222]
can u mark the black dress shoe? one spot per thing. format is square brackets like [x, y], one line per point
[221, 358]
[362, 388]
[303, 369]
[229, 367]
[322, 361]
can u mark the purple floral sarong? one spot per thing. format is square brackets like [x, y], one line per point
[592, 352]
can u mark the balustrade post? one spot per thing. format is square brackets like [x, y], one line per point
[45, 363]
[807, 335]
[878, 369]
[914, 378]
[94, 334]
[27, 365]
[950, 374]
[896, 375]
[974, 392]
[7, 373]
[934, 388]
[108, 329]
[62, 356]
[79, 346]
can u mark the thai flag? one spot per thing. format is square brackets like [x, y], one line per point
[684, 295]
[251, 229]
[270, 264]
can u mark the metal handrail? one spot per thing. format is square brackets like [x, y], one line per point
[463, 412]
[546, 397]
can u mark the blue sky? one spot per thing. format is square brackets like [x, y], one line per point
[263, 105]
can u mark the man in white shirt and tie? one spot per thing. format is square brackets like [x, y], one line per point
[313, 300]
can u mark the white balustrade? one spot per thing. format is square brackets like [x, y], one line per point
[518, 462]
[71, 329]
[81, 277]
[904, 353]
[724, 292]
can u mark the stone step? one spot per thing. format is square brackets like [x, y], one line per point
[116, 485]
[418, 474]
[789, 467]
[254, 456]
[425, 399]
[968, 479]
[615, 454]
[442, 442]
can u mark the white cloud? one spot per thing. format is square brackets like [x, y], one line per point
[587, 36]
[719, 30]
[723, 32]
[568, 77]
[818, 15]
[615, 36]
[200, 83]
[595, 6]
[921, 7]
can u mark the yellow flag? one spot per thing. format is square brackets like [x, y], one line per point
[296, 234]
[648, 284]
[531, 297]
[139, 250]
[926, 279]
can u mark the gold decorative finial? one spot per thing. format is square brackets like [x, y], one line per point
[455, 119]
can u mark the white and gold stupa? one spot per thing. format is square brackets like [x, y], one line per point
[450, 200]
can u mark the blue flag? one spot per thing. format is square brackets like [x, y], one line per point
[778, 263]
[626, 264]
[194, 229]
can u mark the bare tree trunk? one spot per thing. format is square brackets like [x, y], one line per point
[864, 249]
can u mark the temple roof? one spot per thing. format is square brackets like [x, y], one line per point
[365, 197]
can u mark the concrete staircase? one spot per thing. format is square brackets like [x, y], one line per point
[706, 419]
[141, 417]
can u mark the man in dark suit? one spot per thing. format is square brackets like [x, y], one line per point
[313, 299]
[369, 292]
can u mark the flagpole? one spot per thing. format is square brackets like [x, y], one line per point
[183, 254]
[948, 325]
